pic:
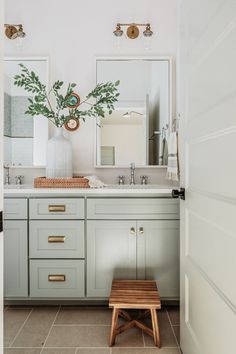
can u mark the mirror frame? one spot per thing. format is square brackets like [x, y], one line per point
[170, 122]
[46, 124]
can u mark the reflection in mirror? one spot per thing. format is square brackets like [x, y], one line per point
[25, 137]
[137, 130]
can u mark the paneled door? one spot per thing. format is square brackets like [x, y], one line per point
[207, 100]
[1, 174]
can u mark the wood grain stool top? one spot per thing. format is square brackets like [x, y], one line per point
[134, 294]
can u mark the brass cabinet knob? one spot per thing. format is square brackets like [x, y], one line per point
[132, 231]
[141, 230]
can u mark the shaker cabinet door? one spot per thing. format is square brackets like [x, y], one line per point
[111, 254]
[15, 258]
[158, 255]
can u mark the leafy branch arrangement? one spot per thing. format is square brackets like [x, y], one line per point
[104, 94]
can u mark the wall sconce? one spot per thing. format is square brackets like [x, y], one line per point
[14, 31]
[133, 30]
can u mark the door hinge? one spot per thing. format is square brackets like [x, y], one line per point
[1, 221]
[178, 193]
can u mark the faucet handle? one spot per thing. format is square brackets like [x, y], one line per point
[121, 179]
[144, 179]
[19, 179]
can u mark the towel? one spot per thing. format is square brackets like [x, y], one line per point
[95, 182]
[163, 156]
[173, 163]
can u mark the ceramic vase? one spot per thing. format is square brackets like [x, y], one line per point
[59, 156]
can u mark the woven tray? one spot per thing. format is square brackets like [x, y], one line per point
[74, 182]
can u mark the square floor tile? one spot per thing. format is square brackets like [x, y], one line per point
[13, 320]
[22, 351]
[93, 351]
[84, 315]
[59, 351]
[145, 351]
[36, 328]
[78, 336]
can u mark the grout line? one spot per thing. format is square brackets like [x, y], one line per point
[50, 330]
[143, 339]
[21, 327]
[80, 325]
[173, 330]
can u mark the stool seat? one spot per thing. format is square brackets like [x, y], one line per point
[134, 294]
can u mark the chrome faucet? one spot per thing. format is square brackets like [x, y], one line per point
[7, 176]
[19, 179]
[132, 169]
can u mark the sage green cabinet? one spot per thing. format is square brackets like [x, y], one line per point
[118, 249]
[158, 254]
[15, 258]
[111, 253]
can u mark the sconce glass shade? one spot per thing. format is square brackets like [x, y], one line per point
[118, 31]
[148, 32]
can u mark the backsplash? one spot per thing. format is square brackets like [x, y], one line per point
[107, 175]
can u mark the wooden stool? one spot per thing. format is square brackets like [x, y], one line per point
[134, 294]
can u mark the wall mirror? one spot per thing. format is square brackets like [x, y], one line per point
[25, 137]
[135, 131]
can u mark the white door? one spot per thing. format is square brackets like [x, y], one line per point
[208, 152]
[1, 177]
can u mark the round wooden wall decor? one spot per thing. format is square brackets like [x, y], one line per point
[72, 124]
[73, 100]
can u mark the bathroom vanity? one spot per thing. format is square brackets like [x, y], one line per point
[70, 244]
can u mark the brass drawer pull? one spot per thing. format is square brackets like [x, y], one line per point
[56, 277]
[56, 239]
[56, 208]
[132, 231]
[141, 230]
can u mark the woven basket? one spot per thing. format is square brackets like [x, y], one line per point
[74, 182]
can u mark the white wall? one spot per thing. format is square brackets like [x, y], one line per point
[73, 34]
[128, 140]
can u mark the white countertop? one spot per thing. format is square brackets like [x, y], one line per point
[110, 190]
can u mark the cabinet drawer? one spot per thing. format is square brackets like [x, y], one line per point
[15, 208]
[56, 239]
[57, 278]
[136, 208]
[69, 208]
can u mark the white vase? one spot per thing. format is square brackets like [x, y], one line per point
[59, 156]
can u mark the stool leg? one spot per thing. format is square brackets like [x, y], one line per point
[115, 315]
[155, 326]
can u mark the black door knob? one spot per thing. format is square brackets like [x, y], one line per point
[178, 193]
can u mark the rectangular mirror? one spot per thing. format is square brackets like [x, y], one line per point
[25, 137]
[139, 125]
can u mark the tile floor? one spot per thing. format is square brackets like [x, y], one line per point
[82, 330]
